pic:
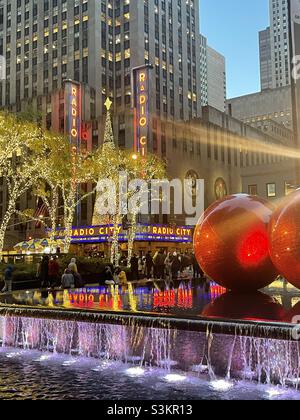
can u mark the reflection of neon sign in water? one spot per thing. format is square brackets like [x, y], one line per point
[181, 298]
[102, 300]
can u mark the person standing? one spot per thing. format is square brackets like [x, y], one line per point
[134, 263]
[159, 264]
[8, 277]
[67, 280]
[149, 265]
[142, 272]
[197, 272]
[73, 266]
[53, 272]
[168, 264]
[176, 266]
[44, 272]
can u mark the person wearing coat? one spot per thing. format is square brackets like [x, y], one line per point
[53, 272]
[134, 262]
[159, 265]
[175, 266]
[67, 280]
[44, 272]
[8, 277]
[73, 266]
[149, 265]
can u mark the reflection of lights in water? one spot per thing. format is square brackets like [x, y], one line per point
[106, 364]
[132, 298]
[69, 363]
[221, 385]
[136, 371]
[134, 359]
[294, 381]
[274, 392]
[12, 355]
[175, 378]
[248, 374]
[43, 358]
[168, 362]
[200, 368]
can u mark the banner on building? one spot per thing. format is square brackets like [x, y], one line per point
[141, 99]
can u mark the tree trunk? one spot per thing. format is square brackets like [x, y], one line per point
[131, 237]
[69, 209]
[5, 221]
[53, 213]
[115, 242]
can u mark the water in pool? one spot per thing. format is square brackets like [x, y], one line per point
[36, 375]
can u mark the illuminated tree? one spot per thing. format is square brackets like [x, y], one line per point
[52, 171]
[22, 148]
[77, 170]
[112, 162]
[109, 163]
[145, 168]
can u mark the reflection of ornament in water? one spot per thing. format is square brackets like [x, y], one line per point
[285, 238]
[231, 243]
[250, 306]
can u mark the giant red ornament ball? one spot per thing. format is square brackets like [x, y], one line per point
[231, 243]
[285, 238]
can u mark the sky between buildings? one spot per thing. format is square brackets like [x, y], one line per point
[232, 27]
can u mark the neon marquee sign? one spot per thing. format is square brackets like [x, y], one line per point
[145, 233]
[73, 112]
[141, 88]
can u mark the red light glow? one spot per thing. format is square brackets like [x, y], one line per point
[254, 249]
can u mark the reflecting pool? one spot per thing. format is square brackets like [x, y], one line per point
[32, 375]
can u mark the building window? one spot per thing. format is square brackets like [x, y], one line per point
[289, 188]
[252, 190]
[271, 190]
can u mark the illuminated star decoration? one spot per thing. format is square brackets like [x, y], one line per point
[108, 103]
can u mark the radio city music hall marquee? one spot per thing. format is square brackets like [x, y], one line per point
[147, 233]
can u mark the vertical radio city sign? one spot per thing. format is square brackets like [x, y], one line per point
[73, 112]
[73, 127]
[141, 99]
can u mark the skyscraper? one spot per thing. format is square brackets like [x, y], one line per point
[280, 46]
[265, 59]
[278, 51]
[216, 79]
[98, 43]
[213, 76]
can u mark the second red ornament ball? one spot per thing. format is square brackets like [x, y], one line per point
[285, 238]
[232, 245]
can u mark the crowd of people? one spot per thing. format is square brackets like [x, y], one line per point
[164, 265]
[161, 266]
[48, 273]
